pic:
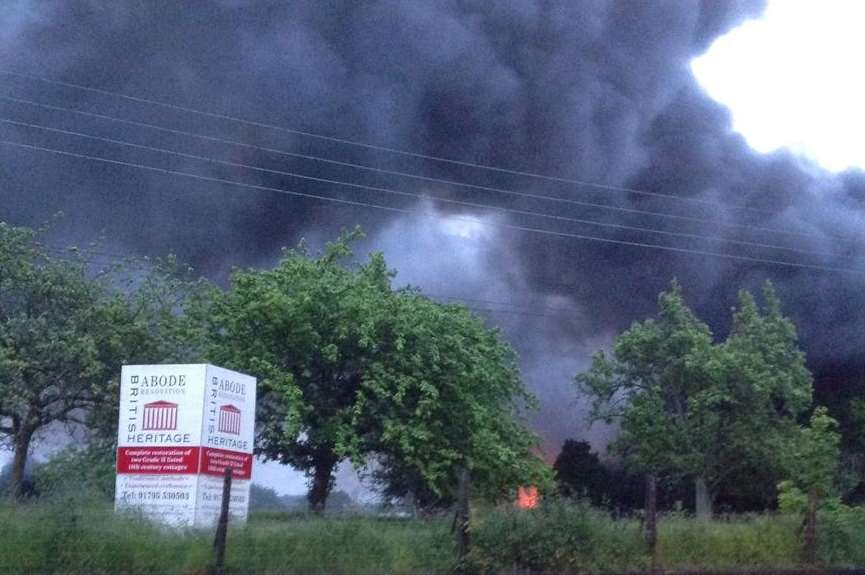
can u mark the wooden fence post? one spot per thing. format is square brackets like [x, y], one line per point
[651, 526]
[222, 526]
[811, 528]
[462, 518]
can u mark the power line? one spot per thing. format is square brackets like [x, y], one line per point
[311, 157]
[416, 195]
[422, 214]
[345, 141]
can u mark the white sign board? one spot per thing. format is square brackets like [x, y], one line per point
[180, 426]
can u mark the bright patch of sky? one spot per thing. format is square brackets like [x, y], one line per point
[465, 227]
[794, 79]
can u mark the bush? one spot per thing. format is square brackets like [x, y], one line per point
[78, 472]
[556, 537]
[841, 536]
[840, 527]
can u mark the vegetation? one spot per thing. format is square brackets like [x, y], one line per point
[812, 460]
[91, 540]
[689, 407]
[87, 538]
[444, 396]
[65, 330]
[87, 470]
[348, 368]
[580, 473]
[309, 329]
[264, 500]
[415, 392]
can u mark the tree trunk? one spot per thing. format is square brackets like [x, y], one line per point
[651, 526]
[322, 481]
[704, 499]
[19, 463]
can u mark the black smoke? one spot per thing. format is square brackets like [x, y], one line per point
[591, 91]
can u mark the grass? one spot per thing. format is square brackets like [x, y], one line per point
[341, 545]
[79, 538]
[567, 538]
[739, 543]
[47, 539]
[560, 538]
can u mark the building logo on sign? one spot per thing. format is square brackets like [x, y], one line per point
[160, 416]
[229, 419]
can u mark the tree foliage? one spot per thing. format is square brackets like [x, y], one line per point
[695, 408]
[350, 368]
[444, 394]
[812, 455]
[66, 327]
[580, 473]
[309, 329]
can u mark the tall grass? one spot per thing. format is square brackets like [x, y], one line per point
[73, 540]
[738, 543]
[555, 537]
[567, 538]
[341, 545]
[77, 538]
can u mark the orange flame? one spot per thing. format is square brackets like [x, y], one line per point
[527, 497]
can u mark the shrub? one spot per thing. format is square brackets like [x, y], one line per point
[78, 472]
[841, 536]
[555, 537]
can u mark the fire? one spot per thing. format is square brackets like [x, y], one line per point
[527, 497]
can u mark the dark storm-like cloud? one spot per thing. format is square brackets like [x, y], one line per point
[591, 91]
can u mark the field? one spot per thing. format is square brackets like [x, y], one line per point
[80, 539]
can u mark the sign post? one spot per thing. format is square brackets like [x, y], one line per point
[180, 428]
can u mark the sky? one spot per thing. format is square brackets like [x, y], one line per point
[790, 80]
[712, 141]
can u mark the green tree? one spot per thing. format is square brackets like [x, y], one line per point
[263, 498]
[54, 320]
[66, 327]
[811, 460]
[148, 325]
[812, 455]
[401, 484]
[308, 329]
[350, 369]
[689, 407]
[580, 473]
[767, 388]
[445, 393]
